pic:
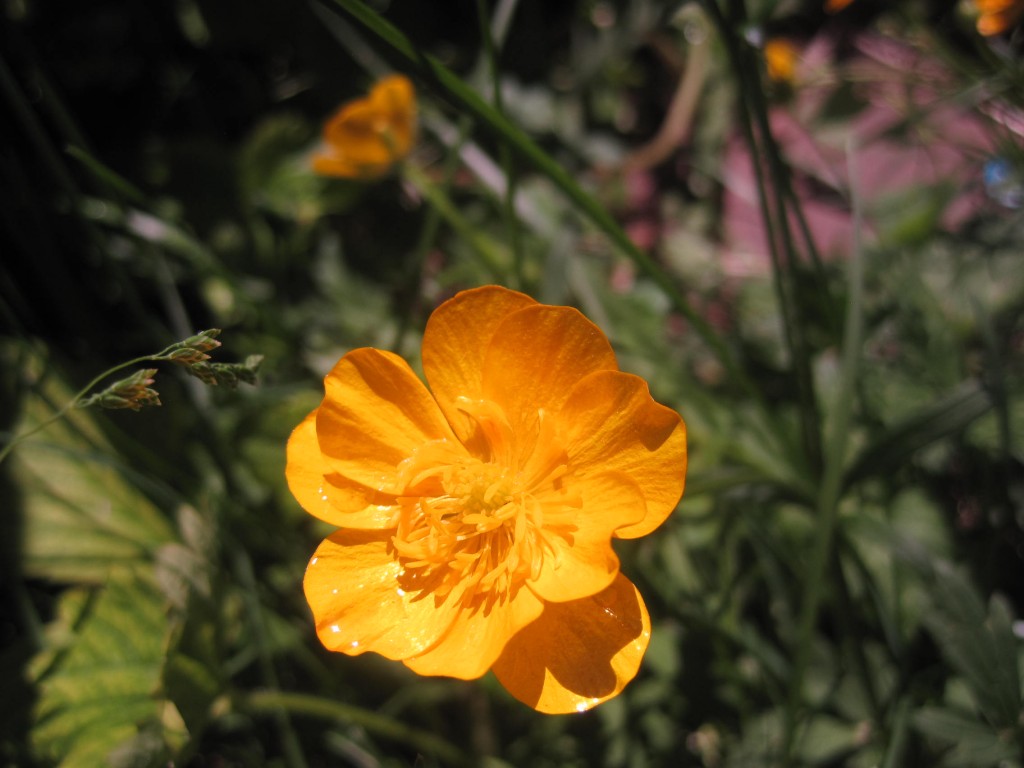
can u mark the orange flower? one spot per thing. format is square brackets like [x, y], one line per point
[780, 59]
[475, 519]
[997, 16]
[835, 6]
[366, 137]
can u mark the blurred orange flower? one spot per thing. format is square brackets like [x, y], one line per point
[366, 137]
[475, 518]
[835, 6]
[780, 59]
[997, 16]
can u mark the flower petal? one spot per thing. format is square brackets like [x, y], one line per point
[535, 357]
[395, 98]
[332, 164]
[354, 134]
[353, 585]
[327, 495]
[375, 414]
[580, 653]
[477, 637]
[611, 423]
[455, 341]
[584, 562]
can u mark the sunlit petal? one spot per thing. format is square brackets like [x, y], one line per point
[536, 356]
[455, 341]
[324, 493]
[375, 414]
[580, 653]
[611, 423]
[366, 137]
[352, 584]
[477, 637]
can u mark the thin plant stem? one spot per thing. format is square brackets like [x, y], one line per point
[524, 146]
[832, 479]
[427, 238]
[63, 410]
[844, 616]
[774, 213]
[161, 356]
[329, 709]
[505, 154]
[488, 251]
[290, 741]
[898, 739]
[35, 132]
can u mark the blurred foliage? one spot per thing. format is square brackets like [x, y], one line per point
[841, 584]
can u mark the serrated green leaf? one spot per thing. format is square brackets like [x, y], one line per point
[101, 691]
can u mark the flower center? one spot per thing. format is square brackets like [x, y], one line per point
[474, 526]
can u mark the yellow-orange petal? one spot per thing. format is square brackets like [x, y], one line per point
[580, 653]
[610, 422]
[477, 637]
[835, 6]
[535, 357]
[327, 495]
[329, 164]
[395, 98]
[455, 341]
[375, 413]
[366, 137]
[780, 59]
[353, 586]
[997, 16]
[583, 562]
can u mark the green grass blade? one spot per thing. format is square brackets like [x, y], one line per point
[471, 103]
[940, 419]
[836, 446]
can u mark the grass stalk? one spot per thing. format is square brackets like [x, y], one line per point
[505, 155]
[427, 238]
[471, 103]
[832, 480]
[259, 702]
[775, 199]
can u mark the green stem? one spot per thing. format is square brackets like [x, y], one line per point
[898, 740]
[505, 154]
[289, 739]
[774, 200]
[428, 235]
[35, 132]
[63, 410]
[490, 253]
[72, 402]
[471, 102]
[832, 480]
[258, 702]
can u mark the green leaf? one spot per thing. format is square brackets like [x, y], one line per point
[192, 674]
[470, 103]
[934, 422]
[275, 173]
[979, 644]
[973, 743]
[100, 692]
[82, 515]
